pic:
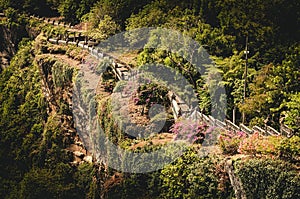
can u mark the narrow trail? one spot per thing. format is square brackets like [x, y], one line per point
[123, 71]
[180, 108]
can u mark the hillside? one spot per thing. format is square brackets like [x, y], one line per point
[150, 99]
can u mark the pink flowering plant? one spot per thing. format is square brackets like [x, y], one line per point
[258, 144]
[238, 142]
[249, 145]
[189, 130]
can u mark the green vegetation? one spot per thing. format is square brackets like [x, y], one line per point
[273, 74]
[267, 178]
[256, 145]
[22, 112]
[35, 161]
[190, 176]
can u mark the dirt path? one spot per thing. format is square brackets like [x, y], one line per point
[159, 139]
[65, 59]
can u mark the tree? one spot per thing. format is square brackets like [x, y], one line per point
[271, 86]
[68, 9]
[106, 27]
[152, 15]
[233, 77]
[292, 112]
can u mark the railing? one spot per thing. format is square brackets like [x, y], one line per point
[179, 108]
[246, 129]
[286, 131]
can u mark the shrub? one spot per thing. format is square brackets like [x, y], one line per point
[230, 141]
[268, 145]
[267, 178]
[152, 93]
[285, 148]
[258, 144]
[249, 145]
[289, 148]
[189, 130]
[191, 176]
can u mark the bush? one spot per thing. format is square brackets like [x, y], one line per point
[249, 145]
[192, 177]
[270, 145]
[282, 147]
[230, 141]
[189, 130]
[267, 178]
[289, 148]
[151, 93]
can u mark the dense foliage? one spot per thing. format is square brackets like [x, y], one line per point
[33, 159]
[256, 145]
[273, 77]
[34, 162]
[22, 115]
[267, 178]
[221, 27]
[190, 176]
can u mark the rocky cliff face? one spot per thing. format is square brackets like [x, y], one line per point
[56, 72]
[10, 36]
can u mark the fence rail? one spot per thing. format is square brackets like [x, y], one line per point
[179, 107]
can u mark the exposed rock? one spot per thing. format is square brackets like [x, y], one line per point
[88, 159]
[79, 154]
[235, 181]
[79, 143]
[9, 39]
